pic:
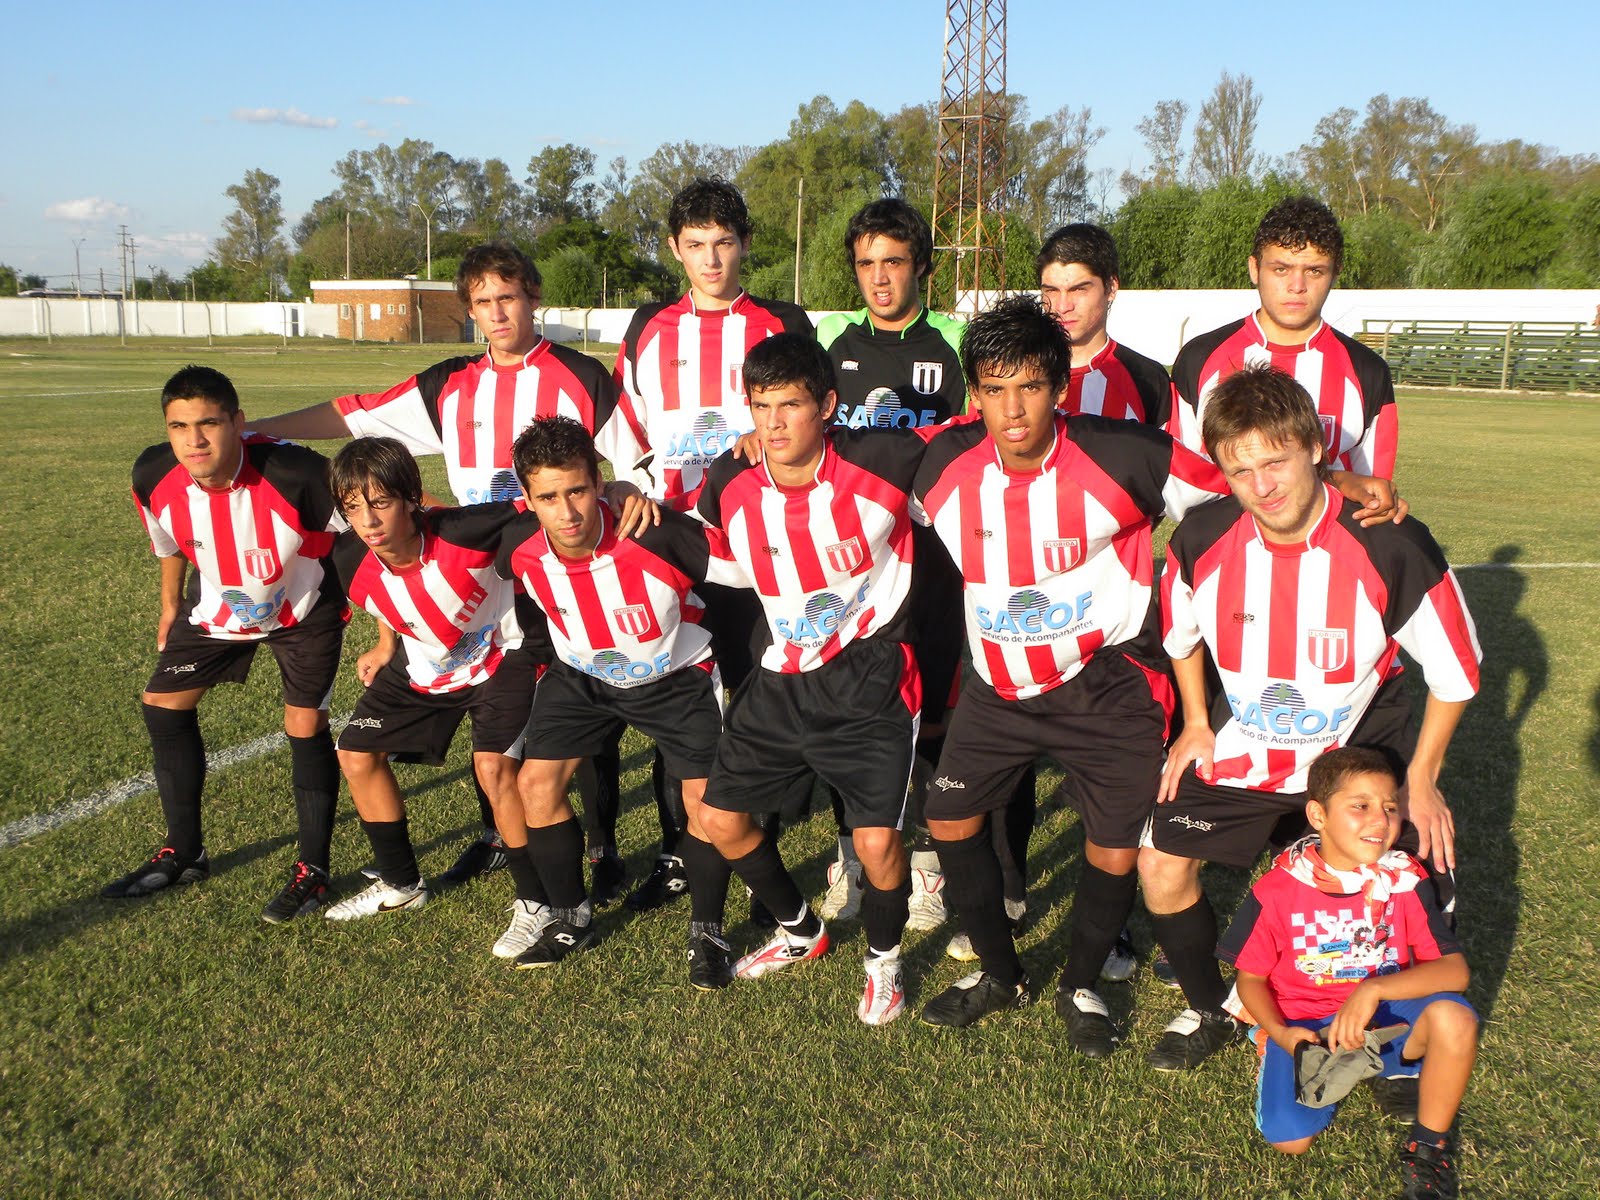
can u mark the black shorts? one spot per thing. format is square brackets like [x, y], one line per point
[1105, 725]
[853, 721]
[392, 717]
[1230, 825]
[738, 629]
[577, 716]
[307, 654]
[938, 621]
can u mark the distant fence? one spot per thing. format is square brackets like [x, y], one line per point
[1547, 356]
[38, 316]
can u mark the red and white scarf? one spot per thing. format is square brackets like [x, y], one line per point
[1394, 873]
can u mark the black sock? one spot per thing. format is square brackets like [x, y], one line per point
[524, 876]
[557, 854]
[1428, 1137]
[883, 915]
[601, 794]
[973, 885]
[669, 805]
[392, 853]
[1190, 941]
[1099, 911]
[1013, 830]
[485, 809]
[765, 875]
[708, 874]
[179, 755]
[316, 794]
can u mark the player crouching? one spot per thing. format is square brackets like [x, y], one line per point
[1342, 934]
[428, 576]
[629, 649]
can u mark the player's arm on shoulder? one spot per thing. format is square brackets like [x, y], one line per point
[1379, 499]
[316, 422]
[174, 570]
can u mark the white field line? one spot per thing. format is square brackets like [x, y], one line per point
[108, 798]
[136, 785]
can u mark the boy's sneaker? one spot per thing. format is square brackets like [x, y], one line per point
[885, 995]
[1123, 960]
[607, 874]
[1395, 1098]
[528, 919]
[926, 908]
[1089, 1028]
[784, 950]
[379, 897]
[558, 939]
[1162, 970]
[1428, 1172]
[1192, 1038]
[163, 870]
[842, 900]
[305, 892]
[710, 959]
[665, 883]
[960, 947]
[969, 1000]
[486, 854]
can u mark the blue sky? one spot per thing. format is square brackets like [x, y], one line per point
[113, 115]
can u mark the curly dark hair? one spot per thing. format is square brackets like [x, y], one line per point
[553, 442]
[1298, 222]
[892, 218]
[1016, 333]
[789, 358]
[712, 201]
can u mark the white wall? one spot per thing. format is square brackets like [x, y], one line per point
[39, 317]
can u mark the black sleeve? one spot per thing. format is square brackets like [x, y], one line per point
[791, 316]
[472, 526]
[300, 476]
[1407, 559]
[349, 551]
[1372, 376]
[1137, 457]
[1151, 381]
[893, 455]
[430, 385]
[724, 469]
[149, 469]
[1240, 928]
[521, 527]
[681, 541]
[946, 446]
[1192, 359]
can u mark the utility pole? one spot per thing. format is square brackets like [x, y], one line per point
[347, 242]
[799, 213]
[133, 255]
[427, 218]
[77, 266]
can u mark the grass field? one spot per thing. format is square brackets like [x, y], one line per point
[178, 1046]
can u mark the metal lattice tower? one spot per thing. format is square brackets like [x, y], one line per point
[969, 174]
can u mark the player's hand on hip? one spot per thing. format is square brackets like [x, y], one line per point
[1194, 748]
[370, 663]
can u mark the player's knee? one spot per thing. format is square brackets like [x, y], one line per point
[304, 722]
[1449, 1025]
[1165, 877]
[359, 764]
[1298, 1146]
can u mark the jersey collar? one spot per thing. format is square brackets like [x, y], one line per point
[1332, 504]
[1262, 339]
[912, 326]
[539, 348]
[738, 305]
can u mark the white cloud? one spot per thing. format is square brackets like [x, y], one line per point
[368, 128]
[283, 116]
[398, 101]
[87, 209]
[192, 247]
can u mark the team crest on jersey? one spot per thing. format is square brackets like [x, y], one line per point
[262, 564]
[847, 555]
[632, 619]
[1062, 554]
[926, 377]
[736, 378]
[1330, 428]
[1328, 649]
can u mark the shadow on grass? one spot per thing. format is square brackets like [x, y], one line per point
[1483, 768]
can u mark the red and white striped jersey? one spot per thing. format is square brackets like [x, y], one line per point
[471, 411]
[1120, 384]
[454, 616]
[1057, 563]
[1301, 636]
[831, 561]
[627, 614]
[1349, 384]
[257, 546]
[680, 374]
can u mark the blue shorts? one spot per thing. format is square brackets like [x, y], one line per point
[1282, 1118]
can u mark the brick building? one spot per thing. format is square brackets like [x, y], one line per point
[395, 310]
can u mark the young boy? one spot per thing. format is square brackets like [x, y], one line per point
[1341, 935]
[428, 576]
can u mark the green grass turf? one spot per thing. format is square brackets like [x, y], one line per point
[179, 1046]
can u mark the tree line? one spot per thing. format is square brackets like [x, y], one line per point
[1424, 203]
